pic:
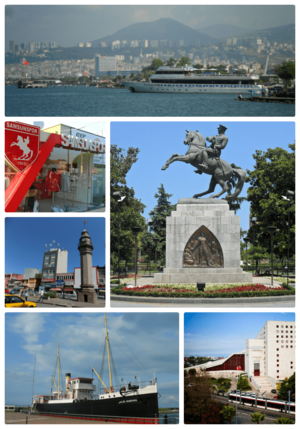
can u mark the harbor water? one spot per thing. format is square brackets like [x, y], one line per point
[92, 101]
[168, 418]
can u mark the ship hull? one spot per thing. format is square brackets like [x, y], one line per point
[191, 89]
[143, 407]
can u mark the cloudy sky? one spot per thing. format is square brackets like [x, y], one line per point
[68, 25]
[142, 344]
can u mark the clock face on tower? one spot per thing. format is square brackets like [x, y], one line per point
[83, 240]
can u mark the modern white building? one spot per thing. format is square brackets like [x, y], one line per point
[104, 65]
[271, 354]
[267, 359]
[55, 262]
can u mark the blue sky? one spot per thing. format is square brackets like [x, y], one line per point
[220, 334]
[25, 240]
[141, 343]
[159, 140]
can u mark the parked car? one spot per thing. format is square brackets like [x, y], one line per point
[248, 393]
[253, 395]
[15, 301]
[243, 393]
[6, 291]
[273, 391]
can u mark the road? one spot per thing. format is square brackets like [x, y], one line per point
[275, 304]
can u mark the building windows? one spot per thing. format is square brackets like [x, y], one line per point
[277, 350]
[291, 347]
[277, 370]
[278, 364]
[282, 347]
[287, 347]
[277, 326]
[277, 341]
[277, 359]
[277, 355]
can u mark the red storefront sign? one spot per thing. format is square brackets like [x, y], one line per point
[22, 143]
[48, 280]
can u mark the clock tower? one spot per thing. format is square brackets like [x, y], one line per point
[86, 293]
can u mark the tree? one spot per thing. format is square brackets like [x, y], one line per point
[285, 71]
[287, 385]
[130, 209]
[273, 175]
[284, 421]
[259, 253]
[183, 61]
[192, 371]
[38, 276]
[198, 401]
[228, 413]
[158, 215]
[156, 62]
[257, 417]
[243, 384]
[170, 61]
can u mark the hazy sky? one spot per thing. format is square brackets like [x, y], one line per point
[142, 344]
[68, 25]
[220, 334]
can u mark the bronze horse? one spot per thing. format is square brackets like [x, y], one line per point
[222, 173]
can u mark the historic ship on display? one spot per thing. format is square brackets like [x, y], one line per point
[130, 403]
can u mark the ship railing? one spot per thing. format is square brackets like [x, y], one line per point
[166, 419]
[134, 385]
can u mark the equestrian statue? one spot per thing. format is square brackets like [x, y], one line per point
[207, 160]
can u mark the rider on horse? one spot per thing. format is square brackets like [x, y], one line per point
[218, 142]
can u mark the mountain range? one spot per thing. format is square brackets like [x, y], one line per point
[169, 29]
[224, 30]
[162, 29]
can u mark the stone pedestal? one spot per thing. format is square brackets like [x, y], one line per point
[203, 244]
[87, 294]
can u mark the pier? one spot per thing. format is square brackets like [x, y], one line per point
[286, 100]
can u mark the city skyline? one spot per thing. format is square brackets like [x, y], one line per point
[25, 23]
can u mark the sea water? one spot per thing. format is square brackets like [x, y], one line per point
[92, 101]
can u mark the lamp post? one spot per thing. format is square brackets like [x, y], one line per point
[150, 223]
[156, 240]
[271, 230]
[288, 196]
[118, 198]
[135, 230]
[253, 220]
[247, 240]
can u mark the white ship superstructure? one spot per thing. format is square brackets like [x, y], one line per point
[184, 80]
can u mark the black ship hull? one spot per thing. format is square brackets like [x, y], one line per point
[133, 409]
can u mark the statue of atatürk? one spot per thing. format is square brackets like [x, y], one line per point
[207, 160]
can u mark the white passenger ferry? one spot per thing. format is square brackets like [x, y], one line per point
[183, 80]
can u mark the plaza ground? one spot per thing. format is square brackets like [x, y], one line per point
[33, 419]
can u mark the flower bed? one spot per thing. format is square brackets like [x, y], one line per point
[229, 291]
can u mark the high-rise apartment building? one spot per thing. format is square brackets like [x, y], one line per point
[104, 65]
[12, 46]
[55, 261]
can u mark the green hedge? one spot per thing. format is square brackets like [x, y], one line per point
[119, 291]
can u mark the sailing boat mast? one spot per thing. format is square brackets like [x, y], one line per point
[108, 355]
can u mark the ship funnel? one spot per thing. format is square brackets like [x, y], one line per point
[68, 376]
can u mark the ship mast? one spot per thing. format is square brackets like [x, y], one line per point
[58, 368]
[108, 355]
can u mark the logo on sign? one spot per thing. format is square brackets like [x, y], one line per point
[22, 143]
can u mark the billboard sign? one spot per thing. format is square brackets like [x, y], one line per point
[22, 143]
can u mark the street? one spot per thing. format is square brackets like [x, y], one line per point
[271, 304]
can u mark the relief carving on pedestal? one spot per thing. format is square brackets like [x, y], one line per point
[203, 250]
